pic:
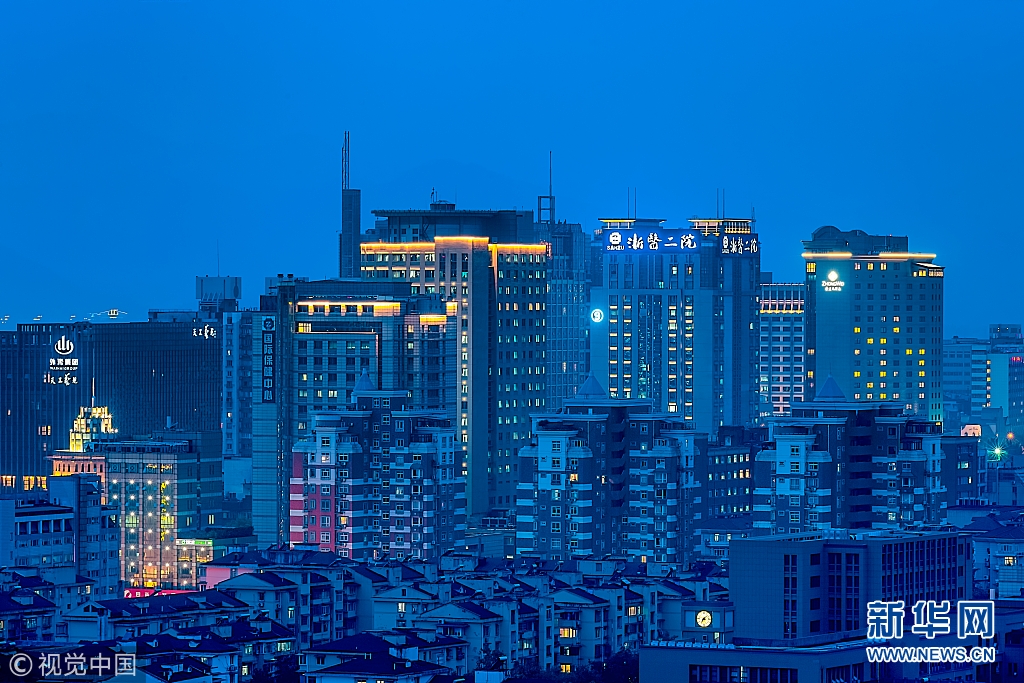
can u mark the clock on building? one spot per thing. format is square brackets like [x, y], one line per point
[703, 618]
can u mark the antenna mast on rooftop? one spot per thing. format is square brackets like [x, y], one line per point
[344, 162]
[546, 204]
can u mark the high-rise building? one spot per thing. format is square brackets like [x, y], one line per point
[311, 341]
[349, 237]
[966, 378]
[836, 463]
[782, 347]
[983, 380]
[378, 480]
[874, 319]
[568, 308]
[676, 318]
[169, 483]
[45, 377]
[610, 476]
[483, 263]
[146, 373]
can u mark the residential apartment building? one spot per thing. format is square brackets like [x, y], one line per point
[315, 339]
[609, 475]
[837, 463]
[782, 347]
[379, 480]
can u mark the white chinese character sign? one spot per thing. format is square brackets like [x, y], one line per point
[739, 244]
[658, 240]
[62, 369]
[205, 332]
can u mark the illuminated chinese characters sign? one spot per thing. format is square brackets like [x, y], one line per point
[651, 240]
[62, 369]
[205, 332]
[739, 244]
[268, 359]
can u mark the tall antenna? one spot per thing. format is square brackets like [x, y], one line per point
[546, 204]
[344, 161]
[551, 174]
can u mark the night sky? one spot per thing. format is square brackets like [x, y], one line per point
[136, 136]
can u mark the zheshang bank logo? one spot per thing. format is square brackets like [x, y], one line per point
[974, 619]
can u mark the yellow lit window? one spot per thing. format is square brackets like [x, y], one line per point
[882, 374]
[856, 352]
[895, 330]
[882, 396]
[883, 340]
[921, 351]
[910, 352]
[871, 340]
[856, 330]
[920, 373]
[871, 266]
[920, 362]
[856, 373]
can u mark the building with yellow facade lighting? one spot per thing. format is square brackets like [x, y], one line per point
[497, 287]
[311, 343]
[159, 487]
[874, 319]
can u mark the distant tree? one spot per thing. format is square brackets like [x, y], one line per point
[282, 670]
[622, 667]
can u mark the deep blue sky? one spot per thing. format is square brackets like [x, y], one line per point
[135, 136]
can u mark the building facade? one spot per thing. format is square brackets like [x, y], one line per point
[158, 488]
[671, 301]
[610, 476]
[487, 265]
[803, 585]
[568, 309]
[378, 480]
[874, 319]
[313, 342]
[837, 463]
[782, 348]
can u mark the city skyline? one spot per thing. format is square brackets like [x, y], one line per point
[231, 150]
[422, 423]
